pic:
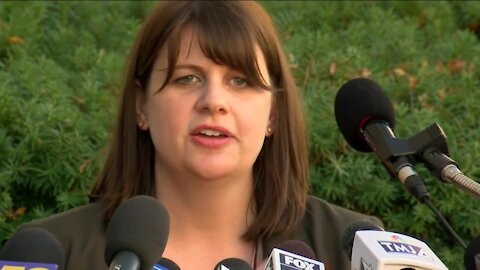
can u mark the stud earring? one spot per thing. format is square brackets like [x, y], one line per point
[269, 130]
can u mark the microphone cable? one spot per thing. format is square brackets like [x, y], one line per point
[445, 223]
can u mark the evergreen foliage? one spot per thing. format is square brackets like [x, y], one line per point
[61, 68]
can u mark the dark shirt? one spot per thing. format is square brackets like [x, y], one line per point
[82, 232]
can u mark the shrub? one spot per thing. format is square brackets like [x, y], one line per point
[61, 66]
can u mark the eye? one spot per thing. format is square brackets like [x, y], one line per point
[189, 79]
[239, 82]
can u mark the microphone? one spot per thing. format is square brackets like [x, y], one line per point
[446, 170]
[232, 264]
[348, 234]
[365, 117]
[33, 247]
[137, 234]
[471, 258]
[370, 247]
[165, 264]
[293, 255]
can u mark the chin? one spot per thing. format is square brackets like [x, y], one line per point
[212, 174]
[209, 171]
[219, 167]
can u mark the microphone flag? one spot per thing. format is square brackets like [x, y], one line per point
[11, 265]
[387, 250]
[284, 260]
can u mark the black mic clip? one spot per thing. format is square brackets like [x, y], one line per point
[429, 146]
[431, 149]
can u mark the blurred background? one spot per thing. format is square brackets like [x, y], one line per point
[61, 68]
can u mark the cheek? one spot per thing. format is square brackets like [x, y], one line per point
[256, 119]
[165, 115]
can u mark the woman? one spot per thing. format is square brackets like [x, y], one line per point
[211, 125]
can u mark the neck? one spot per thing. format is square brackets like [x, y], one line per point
[207, 204]
[207, 218]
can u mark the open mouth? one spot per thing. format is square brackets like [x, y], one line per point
[211, 133]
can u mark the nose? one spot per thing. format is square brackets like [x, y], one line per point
[213, 98]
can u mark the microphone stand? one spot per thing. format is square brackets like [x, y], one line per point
[430, 146]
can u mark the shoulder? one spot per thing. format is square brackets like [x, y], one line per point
[89, 215]
[81, 231]
[325, 222]
[322, 228]
[320, 212]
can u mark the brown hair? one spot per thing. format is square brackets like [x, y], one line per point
[229, 32]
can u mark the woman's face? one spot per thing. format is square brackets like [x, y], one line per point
[208, 121]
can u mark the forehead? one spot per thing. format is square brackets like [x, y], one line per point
[193, 44]
[191, 40]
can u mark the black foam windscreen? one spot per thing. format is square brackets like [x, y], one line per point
[472, 254]
[169, 264]
[298, 247]
[139, 225]
[358, 101]
[233, 263]
[34, 245]
[348, 235]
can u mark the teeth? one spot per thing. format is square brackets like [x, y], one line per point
[210, 132]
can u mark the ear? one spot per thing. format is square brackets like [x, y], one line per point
[272, 120]
[140, 99]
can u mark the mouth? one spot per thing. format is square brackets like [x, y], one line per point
[211, 133]
[212, 137]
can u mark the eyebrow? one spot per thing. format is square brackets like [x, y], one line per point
[188, 66]
[182, 66]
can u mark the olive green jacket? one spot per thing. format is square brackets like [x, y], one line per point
[82, 232]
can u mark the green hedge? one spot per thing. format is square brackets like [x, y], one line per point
[61, 64]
